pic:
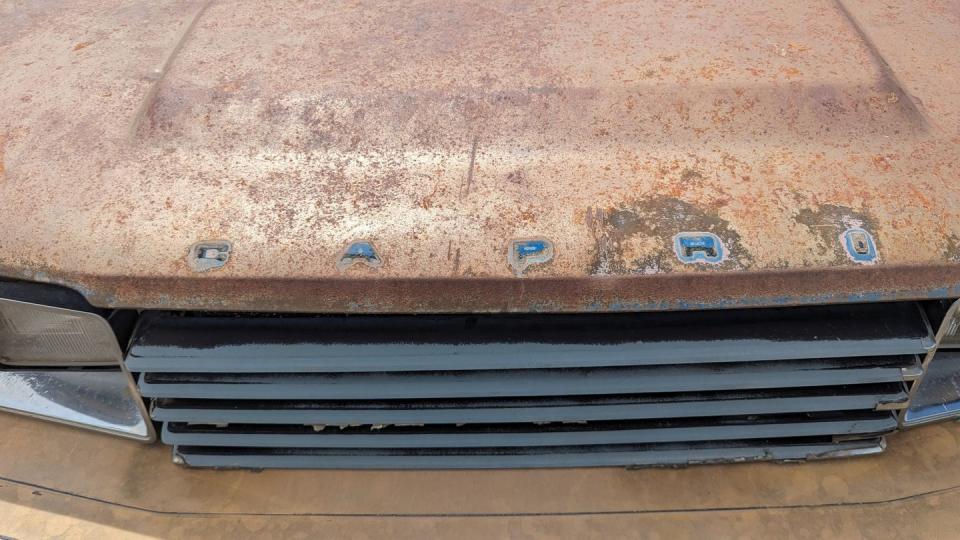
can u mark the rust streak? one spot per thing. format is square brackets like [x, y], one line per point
[161, 72]
[456, 262]
[473, 160]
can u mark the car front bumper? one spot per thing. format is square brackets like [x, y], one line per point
[80, 484]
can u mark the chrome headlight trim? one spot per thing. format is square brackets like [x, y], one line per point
[947, 342]
[103, 398]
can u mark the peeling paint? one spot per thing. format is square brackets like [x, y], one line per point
[658, 220]
[829, 223]
[526, 252]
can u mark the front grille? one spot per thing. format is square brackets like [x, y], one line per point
[477, 391]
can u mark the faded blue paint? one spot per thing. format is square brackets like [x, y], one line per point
[527, 252]
[529, 248]
[361, 250]
[850, 237]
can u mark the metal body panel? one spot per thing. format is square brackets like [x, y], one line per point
[624, 456]
[907, 492]
[441, 131]
[918, 462]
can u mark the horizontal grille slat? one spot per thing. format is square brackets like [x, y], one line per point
[168, 343]
[480, 458]
[519, 356]
[530, 410]
[459, 391]
[293, 437]
[741, 376]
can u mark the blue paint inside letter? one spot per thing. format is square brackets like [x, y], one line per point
[698, 247]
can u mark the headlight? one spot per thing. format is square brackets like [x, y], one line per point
[35, 335]
[66, 366]
[937, 395]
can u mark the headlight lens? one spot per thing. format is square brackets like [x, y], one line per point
[35, 335]
[937, 395]
[66, 366]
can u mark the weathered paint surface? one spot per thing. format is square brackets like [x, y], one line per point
[441, 130]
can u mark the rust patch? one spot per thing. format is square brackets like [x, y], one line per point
[636, 237]
[790, 72]
[882, 163]
[676, 291]
[516, 177]
[952, 250]
[689, 175]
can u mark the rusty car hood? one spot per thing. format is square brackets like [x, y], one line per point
[440, 131]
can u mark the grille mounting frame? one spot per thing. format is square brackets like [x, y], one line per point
[479, 391]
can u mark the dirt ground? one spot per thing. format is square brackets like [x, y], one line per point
[59, 482]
